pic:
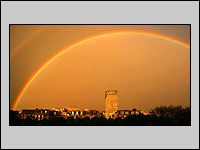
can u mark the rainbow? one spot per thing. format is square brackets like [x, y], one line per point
[35, 74]
[27, 41]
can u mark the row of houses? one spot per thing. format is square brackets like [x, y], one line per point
[38, 114]
[46, 114]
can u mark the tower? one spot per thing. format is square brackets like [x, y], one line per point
[111, 101]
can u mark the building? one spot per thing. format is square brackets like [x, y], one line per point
[81, 113]
[38, 114]
[126, 113]
[111, 103]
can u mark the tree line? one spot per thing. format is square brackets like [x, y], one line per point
[158, 116]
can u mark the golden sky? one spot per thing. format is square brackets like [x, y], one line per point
[73, 65]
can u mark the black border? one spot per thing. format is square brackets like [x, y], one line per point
[102, 25]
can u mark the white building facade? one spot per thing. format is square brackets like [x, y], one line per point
[111, 103]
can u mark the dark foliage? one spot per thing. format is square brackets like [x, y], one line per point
[159, 116]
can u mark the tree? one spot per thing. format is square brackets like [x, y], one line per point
[172, 115]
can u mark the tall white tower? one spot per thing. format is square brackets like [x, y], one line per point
[111, 100]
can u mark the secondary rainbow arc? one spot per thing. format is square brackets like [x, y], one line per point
[26, 41]
[35, 74]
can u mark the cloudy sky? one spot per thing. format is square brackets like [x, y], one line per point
[73, 65]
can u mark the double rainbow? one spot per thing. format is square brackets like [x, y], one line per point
[57, 55]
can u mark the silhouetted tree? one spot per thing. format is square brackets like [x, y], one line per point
[162, 115]
[172, 115]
